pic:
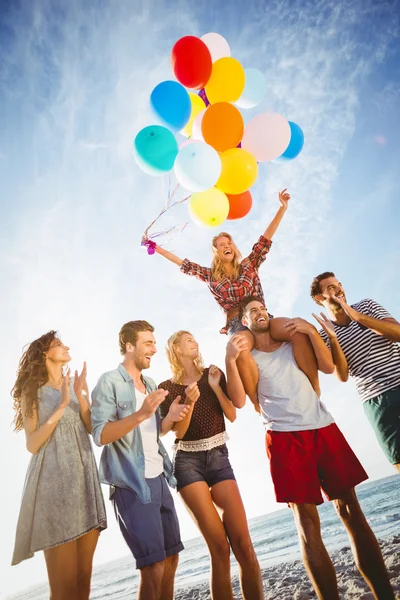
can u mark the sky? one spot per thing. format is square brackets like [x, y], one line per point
[75, 81]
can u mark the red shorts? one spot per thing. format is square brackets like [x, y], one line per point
[303, 462]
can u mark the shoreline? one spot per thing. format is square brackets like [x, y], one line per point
[289, 581]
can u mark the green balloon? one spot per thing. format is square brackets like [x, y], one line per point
[155, 149]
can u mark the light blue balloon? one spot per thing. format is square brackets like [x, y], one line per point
[254, 90]
[155, 149]
[295, 145]
[171, 104]
[197, 167]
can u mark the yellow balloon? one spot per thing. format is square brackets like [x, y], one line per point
[209, 208]
[239, 171]
[197, 106]
[227, 81]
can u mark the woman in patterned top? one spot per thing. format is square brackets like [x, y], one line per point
[204, 475]
[230, 281]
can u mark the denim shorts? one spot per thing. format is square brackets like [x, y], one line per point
[235, 325]
[383, 412]
[211, 466]
[151, 530]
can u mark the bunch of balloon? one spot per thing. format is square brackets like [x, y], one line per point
[219, 161]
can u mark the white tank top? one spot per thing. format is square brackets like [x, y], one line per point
[287, 399]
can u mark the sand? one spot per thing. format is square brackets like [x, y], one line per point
[288, 581]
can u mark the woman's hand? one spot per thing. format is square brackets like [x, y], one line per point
[65, 395]
[192, 393]
[235, 346]
[80, 384]
[214, 376]
[284, 198]
[177, 411]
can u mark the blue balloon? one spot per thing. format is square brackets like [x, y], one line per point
[171, 103]
[155, 149]
[295, 145]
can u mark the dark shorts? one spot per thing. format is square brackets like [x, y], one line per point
[303, 462]
[150, 530]
[211, 466]
[235, 326]
[383, 412]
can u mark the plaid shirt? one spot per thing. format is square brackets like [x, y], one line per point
[229, 293]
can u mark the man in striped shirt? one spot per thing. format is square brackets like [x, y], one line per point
[363, 338]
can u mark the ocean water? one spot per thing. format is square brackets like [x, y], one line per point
[274, 538]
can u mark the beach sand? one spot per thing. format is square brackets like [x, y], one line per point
[288, 581]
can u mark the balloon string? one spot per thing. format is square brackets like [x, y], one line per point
[147, 238]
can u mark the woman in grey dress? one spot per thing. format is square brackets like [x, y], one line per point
[62, 510]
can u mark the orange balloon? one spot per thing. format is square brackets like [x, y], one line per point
[222, 126]
[239, 205]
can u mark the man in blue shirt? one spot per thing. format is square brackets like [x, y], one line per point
[134, 462]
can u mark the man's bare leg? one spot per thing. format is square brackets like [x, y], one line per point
[366, 551]
[316, 559]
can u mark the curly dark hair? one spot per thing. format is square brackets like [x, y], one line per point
[31, 375]
[316, 284]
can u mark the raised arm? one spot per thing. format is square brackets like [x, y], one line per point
[235, 388]
[186, 266]
[339, 359]
[321, 351]
[106, 427]
[169, 256]
[36, 436]
[261, 248]
[82, 393]
[384, 325]
[192, 394]
[284, 198]
[217, 383]
[176, 413]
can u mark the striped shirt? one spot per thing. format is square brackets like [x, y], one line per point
[373, 360]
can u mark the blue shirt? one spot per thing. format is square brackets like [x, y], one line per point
[122, 462]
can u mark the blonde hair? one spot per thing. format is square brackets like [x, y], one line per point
[217, 266]
[173, 357]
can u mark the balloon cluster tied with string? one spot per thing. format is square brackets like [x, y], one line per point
[218, 159]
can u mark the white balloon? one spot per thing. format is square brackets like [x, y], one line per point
[254, 89]
[217, 45]
[197, 167]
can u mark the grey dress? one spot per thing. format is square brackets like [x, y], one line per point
[62, 498]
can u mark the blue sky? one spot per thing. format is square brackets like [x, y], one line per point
[74, 86]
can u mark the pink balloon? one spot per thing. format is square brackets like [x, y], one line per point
[217, 45]
[266, 136]
[196, 129]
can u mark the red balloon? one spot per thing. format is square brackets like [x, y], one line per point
[191, 62]
[239, 205]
